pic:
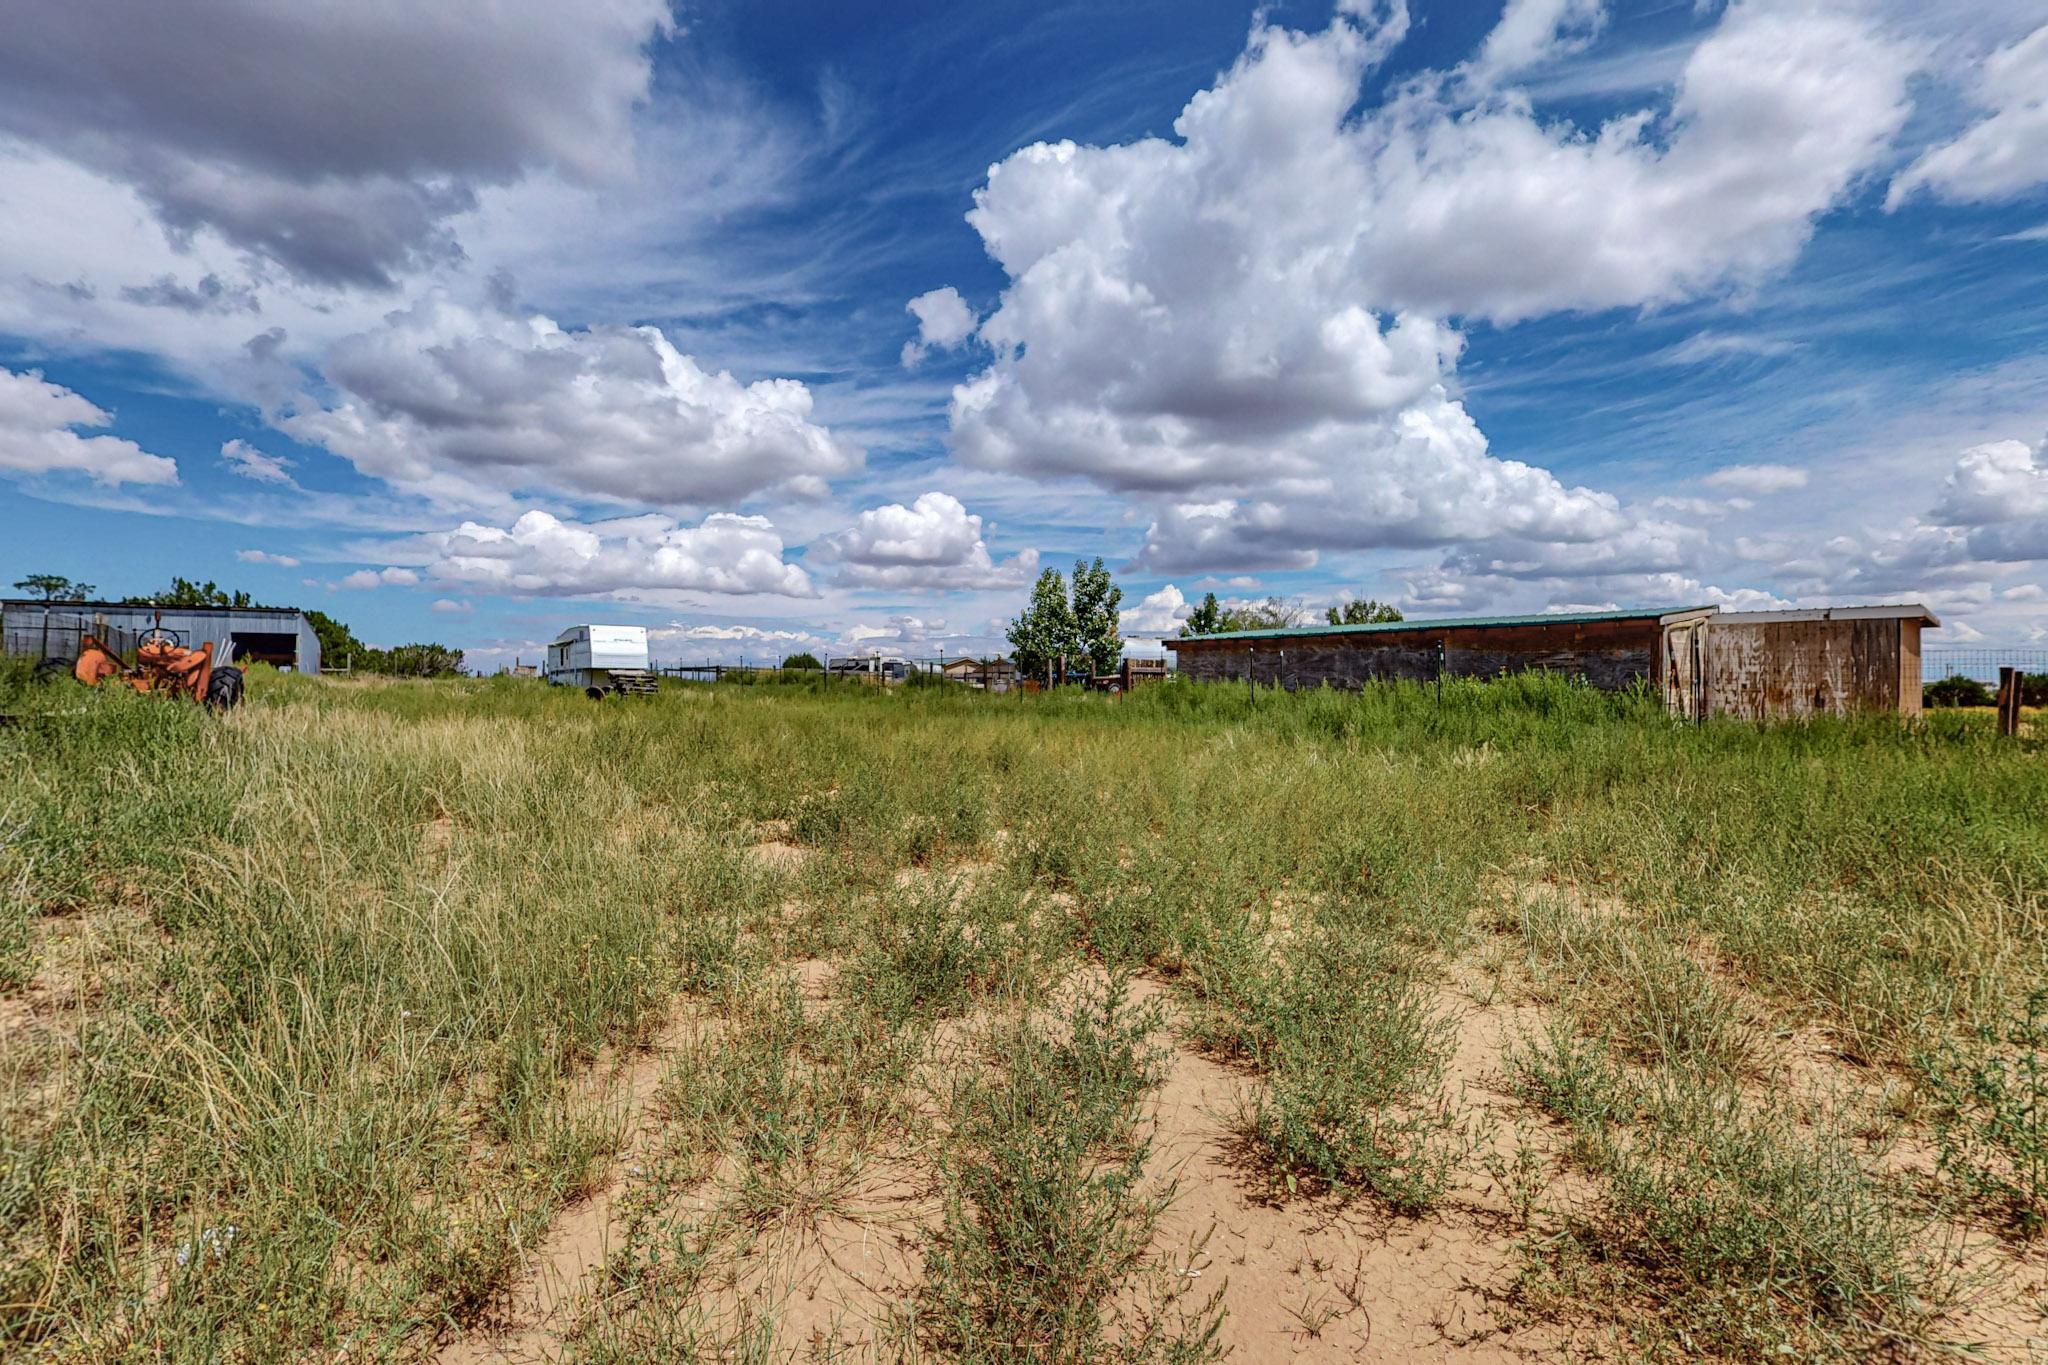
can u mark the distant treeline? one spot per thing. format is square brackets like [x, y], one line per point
[1961, 691]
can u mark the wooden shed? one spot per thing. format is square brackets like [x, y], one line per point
[1609, 649]
[1770, 665]
[1758, 665]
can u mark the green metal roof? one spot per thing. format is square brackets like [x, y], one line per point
[1547, 618]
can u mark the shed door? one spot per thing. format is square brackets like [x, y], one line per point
[1685, 691]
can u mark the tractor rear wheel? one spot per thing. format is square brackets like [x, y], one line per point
[224, 689]
[50, 670]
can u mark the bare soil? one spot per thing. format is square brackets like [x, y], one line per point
[541, 1307]
[1298, 1278]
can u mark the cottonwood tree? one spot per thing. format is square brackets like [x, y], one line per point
[1097, 618]
[1365, 612]
[1045, 630]
[54, 587]
[1275, 613]
[1213, 617]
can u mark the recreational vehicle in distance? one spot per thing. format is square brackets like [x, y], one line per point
[602, 660]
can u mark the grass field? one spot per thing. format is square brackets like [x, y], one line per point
[475, 1021]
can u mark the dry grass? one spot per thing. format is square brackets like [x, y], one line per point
[322, 1026]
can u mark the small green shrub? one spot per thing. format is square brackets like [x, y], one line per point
[923, 957]
[1048, 1210]
[1991, 1119]
[1355, 1050]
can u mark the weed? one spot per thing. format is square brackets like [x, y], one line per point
[1048, 1209]
[1991, 1116]
[1356, 1051]
[1753, 1235]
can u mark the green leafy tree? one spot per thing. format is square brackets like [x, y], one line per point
[1097, 616]
[1368, 612]
[1956, 691]
[1275, 613]
[339, 647]
[809, 661]
[1045, 630]
[418, 661]
[54, 587]
[1205, 619]
[183, 592]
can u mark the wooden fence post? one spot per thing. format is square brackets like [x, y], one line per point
[2008, 701]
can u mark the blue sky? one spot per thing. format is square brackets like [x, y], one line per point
[782, 326]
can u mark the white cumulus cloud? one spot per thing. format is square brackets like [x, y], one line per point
[1252, 322]
[542, 555]
[911, 636]
[1999, 492]
[380, 578]
[457, 403]
[943, 321]
[728, 633]
[266, 557]
[1157, 613]
[37, 437]
[933, 543]
[1994, 482]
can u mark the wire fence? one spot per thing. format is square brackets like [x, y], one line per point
[61, 635]
[995, 675]
[1980, 664]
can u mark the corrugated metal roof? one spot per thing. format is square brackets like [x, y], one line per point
[1895, 611]
[1548, 618]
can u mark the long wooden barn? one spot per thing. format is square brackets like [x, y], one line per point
[1759, 665]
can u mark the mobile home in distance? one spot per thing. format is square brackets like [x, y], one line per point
[602, 660]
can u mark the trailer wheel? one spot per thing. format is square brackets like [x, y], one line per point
[594, 693]
[224, 689]
[50, 670]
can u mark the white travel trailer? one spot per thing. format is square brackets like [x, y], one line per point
[601, 660]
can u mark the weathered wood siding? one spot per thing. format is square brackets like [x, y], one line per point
[1772, 670]
[1909, 668]
[1607, 654]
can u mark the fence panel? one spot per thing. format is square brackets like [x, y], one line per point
[1980, 663]
[61, 635]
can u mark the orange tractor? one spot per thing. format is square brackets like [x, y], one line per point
[162, 664]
